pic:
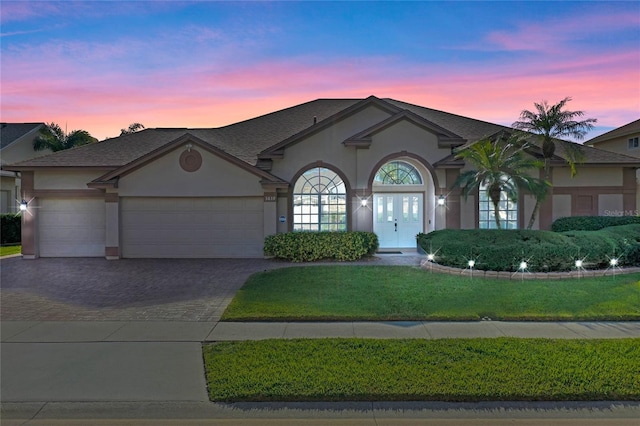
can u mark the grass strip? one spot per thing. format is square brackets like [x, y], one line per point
[341, 292]
[8, 250]
[444, 370]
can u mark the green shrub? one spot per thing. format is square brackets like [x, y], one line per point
[598, 247]
[312, 246]
[10, 228]
[591, 223]
[544, 251]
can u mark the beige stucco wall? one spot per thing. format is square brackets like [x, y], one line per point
[610, 205]
[21, 150]
[587, 176]
[402, 136]
[165, 178]
[468, 212]
[10, 187]
[327, 146]
[561, 206]
[65, 179]
[620, 145]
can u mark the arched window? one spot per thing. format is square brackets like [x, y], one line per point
[398, 173]
[319, 201]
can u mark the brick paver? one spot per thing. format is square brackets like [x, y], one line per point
[93, 289]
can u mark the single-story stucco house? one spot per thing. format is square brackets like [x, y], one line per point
[331, 164]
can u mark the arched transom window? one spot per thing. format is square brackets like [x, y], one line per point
[398, 173]
[319, 201]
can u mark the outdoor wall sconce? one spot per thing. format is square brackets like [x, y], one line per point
[23, 206]
[364, 202]
[441, 200]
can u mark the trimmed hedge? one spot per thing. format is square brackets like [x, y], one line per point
[10, 228]
[544, 251]
[312, 246]
[591, 223]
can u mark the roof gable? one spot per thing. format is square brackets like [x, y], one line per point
[110, 178]
[276, 151]
[11, 132]
[446, 138]
[627, 129]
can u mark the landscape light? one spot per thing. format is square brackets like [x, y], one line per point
[523, 265]
[430, 257]
[472, 263]
[613, 262]
[579, 263]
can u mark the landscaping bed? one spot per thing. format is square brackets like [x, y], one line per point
[377, 293]
[543, 251]
[446, 370]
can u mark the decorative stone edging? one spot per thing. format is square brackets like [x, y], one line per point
[435, 267]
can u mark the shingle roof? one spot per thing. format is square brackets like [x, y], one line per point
[633, 127]
[246, 139]
[10, 132]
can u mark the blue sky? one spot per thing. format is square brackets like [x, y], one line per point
[102, 65]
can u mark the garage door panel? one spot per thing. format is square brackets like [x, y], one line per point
[192, 227]
[71, 227]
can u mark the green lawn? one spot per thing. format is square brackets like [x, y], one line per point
[447, 370]
[7, 250]
[408, 293]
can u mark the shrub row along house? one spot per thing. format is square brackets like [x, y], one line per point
[331, 164]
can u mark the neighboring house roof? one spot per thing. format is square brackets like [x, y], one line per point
[267, 134]
[11, 132]
[627, 129]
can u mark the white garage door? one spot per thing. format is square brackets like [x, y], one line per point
[71, 227]
[191, 227]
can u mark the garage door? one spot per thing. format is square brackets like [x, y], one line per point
[191, 227]
[71, 227]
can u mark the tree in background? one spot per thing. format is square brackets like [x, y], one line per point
[502, 166]
[54, 138]
[551, 122]
[133, 127]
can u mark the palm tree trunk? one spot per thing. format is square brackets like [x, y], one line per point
[496, 215]
[534, 214]
[536, 208]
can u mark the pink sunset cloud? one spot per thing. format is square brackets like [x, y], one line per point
[195, 97]
[104, 86]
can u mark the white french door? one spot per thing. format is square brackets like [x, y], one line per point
[397, 219]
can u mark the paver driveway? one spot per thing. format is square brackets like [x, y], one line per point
[127, 289]
[130, 289]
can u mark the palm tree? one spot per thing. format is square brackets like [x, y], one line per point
[501, 166]
[54, 138]
[133, 127]
[550, 122]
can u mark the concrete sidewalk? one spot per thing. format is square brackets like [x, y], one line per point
[195, 332]
[423, 330]
[120, 360]
[65, 372]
